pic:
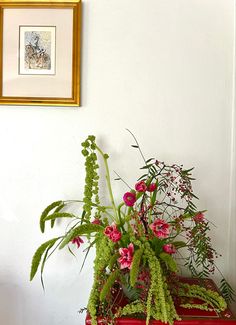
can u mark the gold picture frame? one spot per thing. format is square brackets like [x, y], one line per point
[40, 52]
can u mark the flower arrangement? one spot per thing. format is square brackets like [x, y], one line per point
[141, 243]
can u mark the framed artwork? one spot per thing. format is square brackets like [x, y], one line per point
[37, 46]
[40, 52]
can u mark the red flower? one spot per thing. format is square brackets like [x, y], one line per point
[199, 217]
[160, 228]
[129, 198]
[152, 187]
[126, 256]
[169, 248]
[77, 240]
[141, 186]
[96, 221]
[112, 233]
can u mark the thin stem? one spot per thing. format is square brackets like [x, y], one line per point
[122, 180]
[119, 215]
[136, 141]
[108, 180]
[55, 247]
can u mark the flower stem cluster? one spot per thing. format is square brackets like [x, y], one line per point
[138, 241]
[91, 178]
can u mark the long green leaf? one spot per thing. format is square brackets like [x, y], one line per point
[150, 159]
[135, 266]
[38, 255]
[170, 262]
[84, 229]
[179, 244]
[147, 166]
[46, 212]
[44, 261]
[58, 209]
[113, 260]
[59, 215]
[87, 252]
[109, 283]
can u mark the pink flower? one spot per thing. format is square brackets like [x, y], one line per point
[129, 198]
[112, 233]
[198, 217]
[141, 186]
[160, 228]
[152, 187]
[126, 256]
[169, 248]
[77, 240]
[96, 221]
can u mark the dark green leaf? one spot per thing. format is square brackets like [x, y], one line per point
[143, 176]
[227, 291]
[146, 167]
[150, 159]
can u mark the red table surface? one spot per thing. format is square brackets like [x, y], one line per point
[189, 316]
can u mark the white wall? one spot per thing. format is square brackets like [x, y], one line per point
[232, 224]
[163, 69]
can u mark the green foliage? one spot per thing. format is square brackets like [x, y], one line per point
[58, 209]
[130, 292]
[157, 245]
[159, 304]
[197, 306]
[91, 178]
[84, 229]
[135, 266]
[113, 261]
[105, 250]
[87, 251]
[46, 212]
[59, 215]
[179, 244]
[227, 291]
[108, 285]
[201, 258]
[166, 197]
[38, 255]
[135, 307]
[212, 298]
[44, 261]
[170, 262]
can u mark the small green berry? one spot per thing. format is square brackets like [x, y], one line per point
[91, 138]
[85, 152]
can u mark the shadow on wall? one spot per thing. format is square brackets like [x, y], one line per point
[11, 304]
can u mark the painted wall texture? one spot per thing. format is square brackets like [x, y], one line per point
[165, 70]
